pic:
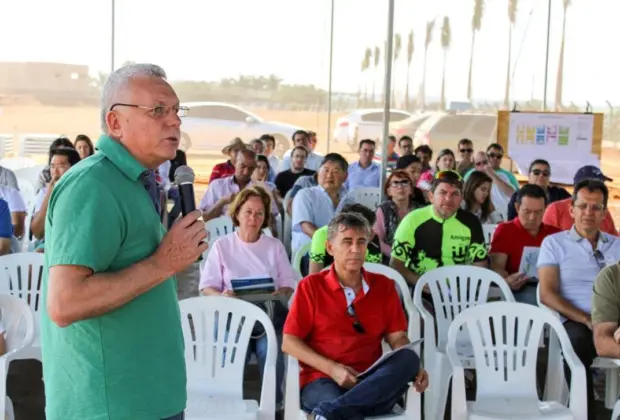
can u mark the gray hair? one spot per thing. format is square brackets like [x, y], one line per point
[119, 80]
[344, 221]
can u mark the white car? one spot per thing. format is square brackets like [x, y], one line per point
[444, 130]
[364, 124]
[210, 126]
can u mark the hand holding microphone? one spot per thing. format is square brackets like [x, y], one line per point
[186, 240]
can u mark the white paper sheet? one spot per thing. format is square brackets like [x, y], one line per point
[386, 356]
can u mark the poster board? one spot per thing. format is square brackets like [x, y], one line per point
[567, 140]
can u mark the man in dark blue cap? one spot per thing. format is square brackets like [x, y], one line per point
[558, 213]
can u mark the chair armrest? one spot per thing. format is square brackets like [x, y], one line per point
[413, 404]
[291, 396]
[577, 393]
[459, 399]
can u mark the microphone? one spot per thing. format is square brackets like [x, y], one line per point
[184, 178]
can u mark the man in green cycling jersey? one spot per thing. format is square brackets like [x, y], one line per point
[438, 235]
[319, 258]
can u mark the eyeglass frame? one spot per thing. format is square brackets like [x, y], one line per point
[357, 325]
[151, 110]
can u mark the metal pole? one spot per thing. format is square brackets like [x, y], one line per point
[547, 55]
[113, 34]
[329, 88]
[386, 95]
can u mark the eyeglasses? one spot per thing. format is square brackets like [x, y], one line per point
[538, 172]
[403, 183]
[159, 111]
[495, 155]
[466, 150]
[600, 259]
[357, 325]
[482, 163]
[593, 207]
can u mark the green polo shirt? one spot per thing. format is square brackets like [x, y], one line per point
[128, 364]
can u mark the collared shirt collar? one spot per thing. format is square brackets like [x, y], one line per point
[120, 156]
[334, 284]
[441, 219]
[575, 236]
[341, 194]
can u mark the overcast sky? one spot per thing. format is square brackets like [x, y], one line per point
[211, 39]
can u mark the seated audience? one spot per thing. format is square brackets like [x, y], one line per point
[511, 238]
[336, 326]
[6, 229]
[320, 258]
[45, 177]
[445, 162]
[405, 146]
[466, 152]
[270, 147]
[259, 146]
[425, 154]
[313, 160]
[568, 264]
[399, 193]
[17, 207]
[477, 198]
[262, 257]
[221, 192]
[539, 174]
[313, 141]
[504, 183]
[314, 207]
[60, 160]
[260, 177]
[391, 150]
[224, 169]
[558, 214]
[286, 179]
[413, 166]
[364, 172]
[302, 182]
[438, 235]
[84, 146]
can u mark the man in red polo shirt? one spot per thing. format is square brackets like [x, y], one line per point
[510, 239]
[558, 213]
[335, 327]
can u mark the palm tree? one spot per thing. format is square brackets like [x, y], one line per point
[512, 17]
[446, 39]
[365, 68]
[398, 44]
[560, 79]
[377, 58]
[476, 23]
[430, 25]
[410, 49]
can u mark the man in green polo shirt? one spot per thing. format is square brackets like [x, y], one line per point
[111, 334]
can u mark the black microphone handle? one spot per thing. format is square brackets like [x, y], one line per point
[188, 201]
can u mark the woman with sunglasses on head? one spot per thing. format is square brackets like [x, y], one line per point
[477, 198]
[445, 162]
[539, 174]
[399, 192]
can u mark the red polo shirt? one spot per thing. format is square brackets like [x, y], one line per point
[511, 237]
[319, 317]
[222, 170]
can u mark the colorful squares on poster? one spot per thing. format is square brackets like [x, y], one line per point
[564, 136]
[540, 134]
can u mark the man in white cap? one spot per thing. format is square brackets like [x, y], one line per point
[224, 169]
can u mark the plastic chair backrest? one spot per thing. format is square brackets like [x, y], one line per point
[505, 337]
[217, 332]
[26, 240]
[27, 191]
[488, 229]
[21, 275]
[453, 290]
[18, 321]
[367, 196]
[405, 296]
[16, 163]
[298, 255]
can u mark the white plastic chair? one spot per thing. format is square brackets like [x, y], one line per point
[488, 230]
[16, 163]
[298, 255]
[505, 338]
[217, 334]
[556, 387]
[453, 290]
[27, 191]
[18, 322]
[27, 244]
[413, 406]
[30, 174]
[21, 275]
[616, 413]
[367, 196]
